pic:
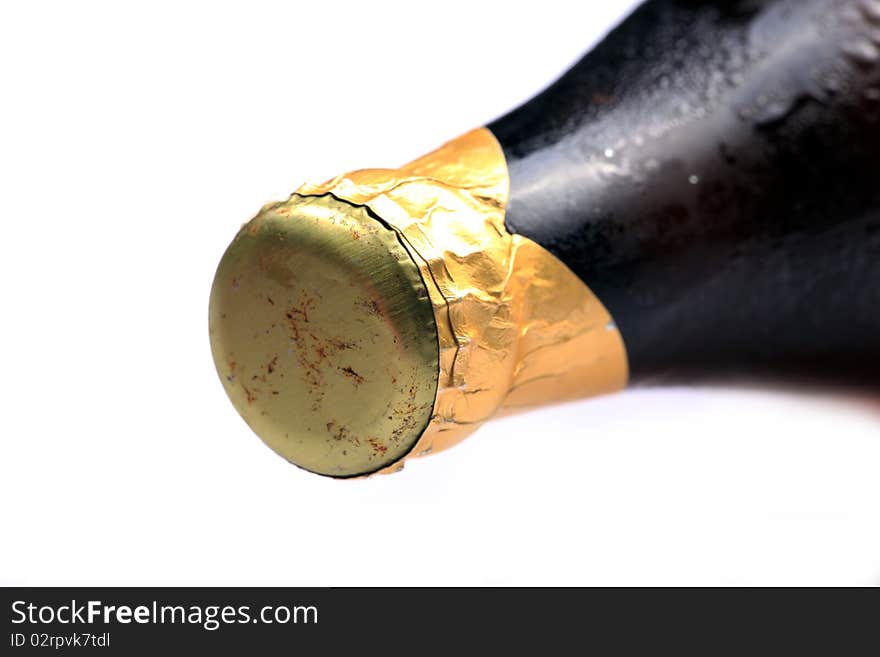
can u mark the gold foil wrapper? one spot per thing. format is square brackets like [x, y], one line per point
[516, 327]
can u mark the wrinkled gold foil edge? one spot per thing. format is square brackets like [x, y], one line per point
[516, 327]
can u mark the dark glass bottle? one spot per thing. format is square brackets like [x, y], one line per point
[712, 171]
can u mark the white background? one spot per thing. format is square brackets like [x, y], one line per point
[136, 138]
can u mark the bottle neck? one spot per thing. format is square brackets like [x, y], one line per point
[710, 171]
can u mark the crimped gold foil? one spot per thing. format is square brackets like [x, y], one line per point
[516, 327]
